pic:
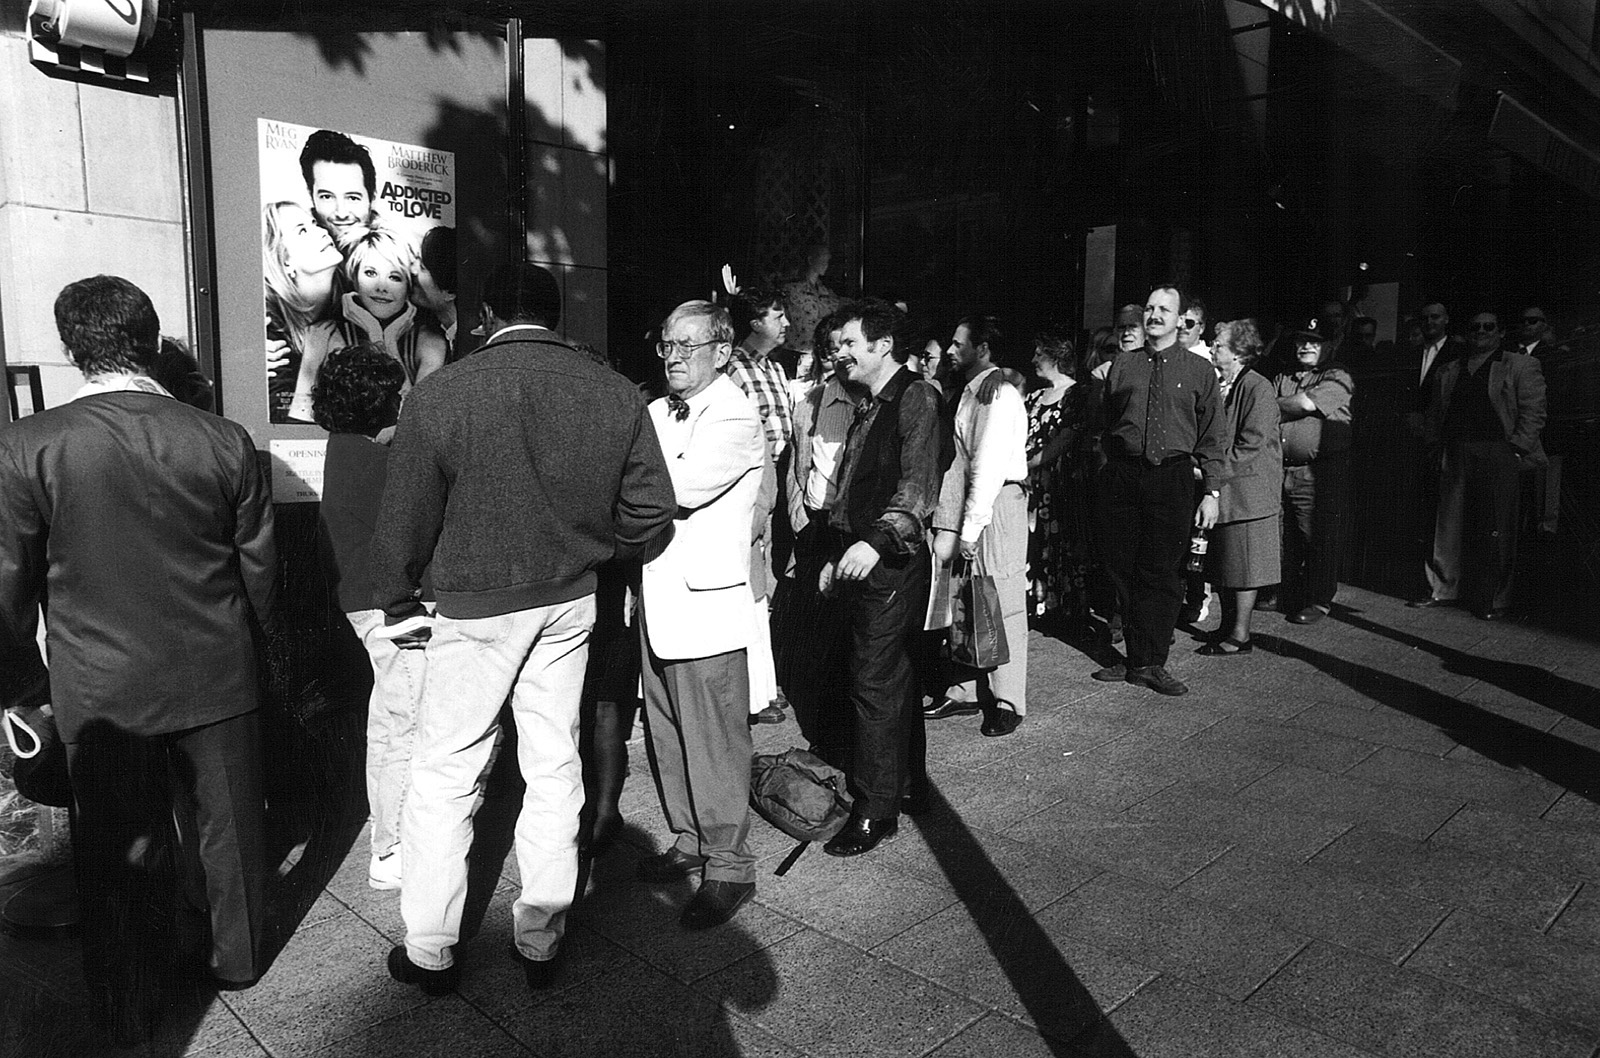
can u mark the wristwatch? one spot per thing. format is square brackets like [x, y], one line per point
[1215, 494]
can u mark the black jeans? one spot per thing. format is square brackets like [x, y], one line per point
[810, 644]
[1316, 507]
[884, 612]
[1145, 515]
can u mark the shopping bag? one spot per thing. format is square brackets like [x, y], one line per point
[938, 615]
[977, 633]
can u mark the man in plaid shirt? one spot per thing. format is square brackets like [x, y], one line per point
[758, 314]
[759, 317]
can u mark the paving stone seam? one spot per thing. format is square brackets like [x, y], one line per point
[243, 1025]
[1445, 822]
[804, 925]
[1494, 996]
[1556, 917]
[644, 957]
[975, 1019]
[521, 1047]
[362, 918]
[879, 960]
[1255, 1011]
[1450, 985]
[1450, 909]
[989, 1008]
[1045, 1034]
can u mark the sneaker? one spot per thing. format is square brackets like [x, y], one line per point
[383, 872]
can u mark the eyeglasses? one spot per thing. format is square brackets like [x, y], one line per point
[1188, 325]
[668, 350]
[1533, 319]
[1483, 326]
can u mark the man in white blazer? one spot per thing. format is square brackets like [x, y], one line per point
[697, 617]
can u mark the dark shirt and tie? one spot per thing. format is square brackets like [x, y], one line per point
[1163, 418]
[1164, 406]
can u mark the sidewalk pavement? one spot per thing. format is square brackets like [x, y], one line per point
[1377, 835]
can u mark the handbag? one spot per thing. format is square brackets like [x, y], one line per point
[977, 631]
[40, 772]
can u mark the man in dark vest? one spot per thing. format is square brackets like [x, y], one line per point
[889, 480]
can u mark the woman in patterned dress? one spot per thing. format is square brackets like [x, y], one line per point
[1058, 476]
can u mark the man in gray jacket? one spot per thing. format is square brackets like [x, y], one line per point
[515, 472]
[1483, 425]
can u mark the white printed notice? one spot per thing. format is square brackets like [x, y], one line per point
[297, 470]
[350, 227]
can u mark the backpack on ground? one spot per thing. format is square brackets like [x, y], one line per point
[801, 794]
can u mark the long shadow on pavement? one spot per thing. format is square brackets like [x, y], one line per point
[1498, 738]
[1577, 700]
[1069, 1019]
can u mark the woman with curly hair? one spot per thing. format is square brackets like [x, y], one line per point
[357, 398]
[1243, 557]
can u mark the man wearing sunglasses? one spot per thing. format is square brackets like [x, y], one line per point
[1485, 418]
[1534, 338]
[1192, 329]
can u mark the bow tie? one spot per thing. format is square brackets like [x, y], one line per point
[677, 406]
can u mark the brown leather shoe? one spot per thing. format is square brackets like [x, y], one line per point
[1158, 679]
[669, 866]
[1117, 673]
[715, 903]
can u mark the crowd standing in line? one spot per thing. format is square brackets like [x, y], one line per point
[525, 528]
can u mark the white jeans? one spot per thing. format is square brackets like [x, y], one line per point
[537, 658]
[391, 727]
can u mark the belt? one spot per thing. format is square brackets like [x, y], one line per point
[1182, 456]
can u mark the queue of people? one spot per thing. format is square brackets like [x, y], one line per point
[525, 528]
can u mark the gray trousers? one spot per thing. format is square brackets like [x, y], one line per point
[697, 714]
[1475, 537]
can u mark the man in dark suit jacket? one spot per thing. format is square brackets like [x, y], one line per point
[1486, 417]
[1439, 347]
[151, 526]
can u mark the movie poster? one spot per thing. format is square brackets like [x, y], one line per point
[358, 244]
